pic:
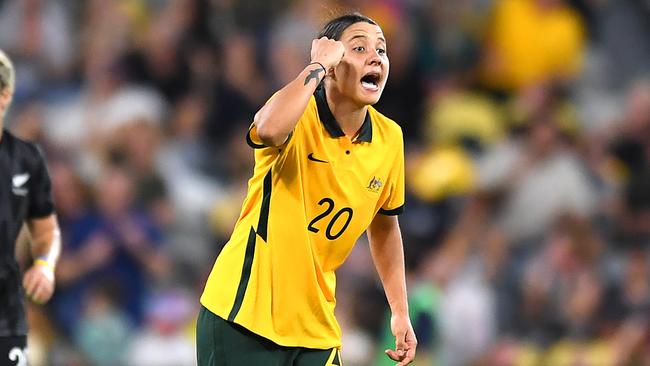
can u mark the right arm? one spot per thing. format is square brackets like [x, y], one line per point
[278, 117]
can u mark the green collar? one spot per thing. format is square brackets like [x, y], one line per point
[331, 124]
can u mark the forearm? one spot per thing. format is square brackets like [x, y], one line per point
[23, 243]
[279, 116]
[46, 240]
[388, 256]
[38, 280]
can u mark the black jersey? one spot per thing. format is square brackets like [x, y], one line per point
[25, 193]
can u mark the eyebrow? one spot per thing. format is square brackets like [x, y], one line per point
[365, 36]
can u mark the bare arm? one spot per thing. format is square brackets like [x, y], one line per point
[277, 118]
[46, 247]
[388, 255]
[23, 242]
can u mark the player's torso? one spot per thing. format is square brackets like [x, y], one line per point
[340, 183]
[14, 191]
[14, 201]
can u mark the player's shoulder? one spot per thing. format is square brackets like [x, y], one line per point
[20, 147]
[384, 124]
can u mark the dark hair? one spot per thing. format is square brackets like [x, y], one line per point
[335, 27]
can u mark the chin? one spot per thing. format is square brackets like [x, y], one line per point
[371, 99]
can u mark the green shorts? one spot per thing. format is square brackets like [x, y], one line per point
[222, 343]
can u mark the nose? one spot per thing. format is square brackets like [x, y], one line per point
[375, 58]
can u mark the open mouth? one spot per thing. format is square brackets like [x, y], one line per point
[371, 80]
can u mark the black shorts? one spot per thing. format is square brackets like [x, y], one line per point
[222, 343]
[13, 351]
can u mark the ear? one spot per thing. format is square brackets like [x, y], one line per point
[5, 99]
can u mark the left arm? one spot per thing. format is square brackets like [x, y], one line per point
[388, 255]
[38, 280]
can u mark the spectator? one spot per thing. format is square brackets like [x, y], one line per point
[531, 41]
[117, 246]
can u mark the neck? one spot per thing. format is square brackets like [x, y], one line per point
[349, 115]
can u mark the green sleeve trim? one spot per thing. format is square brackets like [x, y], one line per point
[252, 143]
[396, 211]
[255, 145]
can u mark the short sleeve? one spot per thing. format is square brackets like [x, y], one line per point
[295, 136]
[255, 142]
[41, 203]
[394, 202]
[252, 139]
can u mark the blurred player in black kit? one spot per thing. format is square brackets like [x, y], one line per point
[25, 199]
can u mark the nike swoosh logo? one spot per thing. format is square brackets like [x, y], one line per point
[312, 158]
[19, 179]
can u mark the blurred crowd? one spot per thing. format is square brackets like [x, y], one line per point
[527, 127]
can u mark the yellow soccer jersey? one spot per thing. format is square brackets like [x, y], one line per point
[308, 202]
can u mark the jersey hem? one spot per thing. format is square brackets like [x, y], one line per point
[284, 342]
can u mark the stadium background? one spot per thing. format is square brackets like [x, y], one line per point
[527, 127]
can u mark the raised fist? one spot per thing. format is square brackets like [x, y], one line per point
[327, 52]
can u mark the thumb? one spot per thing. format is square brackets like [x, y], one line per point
[393, 355]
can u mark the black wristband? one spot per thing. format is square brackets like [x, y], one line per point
[319, 64]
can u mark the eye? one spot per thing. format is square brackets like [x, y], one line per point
[359, 49]
[381, 51]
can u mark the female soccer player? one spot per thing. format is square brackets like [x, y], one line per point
[327, 167]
